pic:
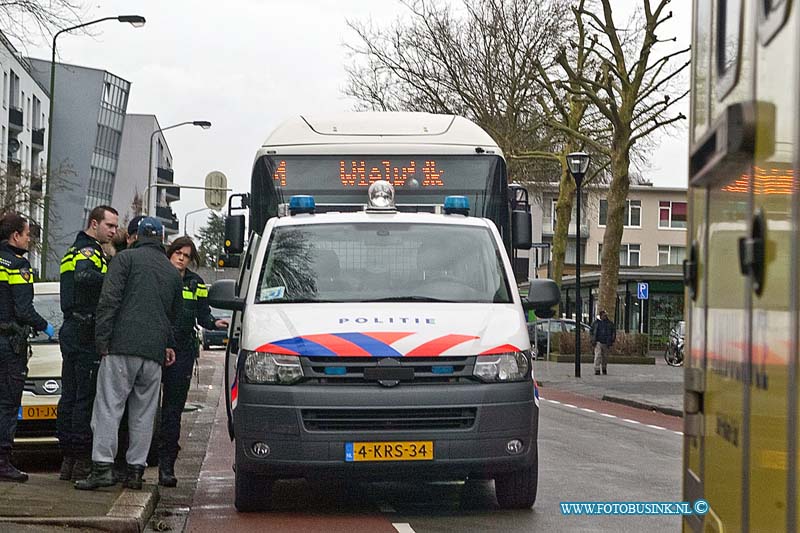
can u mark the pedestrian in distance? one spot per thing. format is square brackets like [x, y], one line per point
[17, 317]
[83, 269]
[604, 333]
[133, 231]
[177, 378]
[139, 303]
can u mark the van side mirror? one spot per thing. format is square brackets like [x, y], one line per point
[234, 234]
[222, 295]
[521, 231]
[543, 295]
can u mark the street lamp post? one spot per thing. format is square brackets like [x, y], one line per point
[578, 164]
[186, 217]
[134, 20]
[151, 205]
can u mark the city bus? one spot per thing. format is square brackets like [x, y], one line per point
[423, 156]
[741, 387]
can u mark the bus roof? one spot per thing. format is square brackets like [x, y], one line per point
[365, 132]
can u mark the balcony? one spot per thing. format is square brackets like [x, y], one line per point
[15, 122]
[166, 175]
[36, 185]
[168, 218]
[37, 139]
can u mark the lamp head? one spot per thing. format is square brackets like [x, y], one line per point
[134, 20]
[202, 123]
[578, 164]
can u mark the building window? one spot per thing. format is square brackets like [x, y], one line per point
[671, 255]
[13, 94]
[628, 254]
[553, 212]
[671, 214]
[5, 89]
[632, 218]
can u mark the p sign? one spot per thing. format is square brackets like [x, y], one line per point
[216, 183]
[643, 290]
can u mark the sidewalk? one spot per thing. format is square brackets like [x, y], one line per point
[656, 387]
[44, 503]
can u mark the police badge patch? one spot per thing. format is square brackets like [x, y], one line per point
[25, 274]
[87, 252]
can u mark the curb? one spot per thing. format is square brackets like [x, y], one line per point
[129, 514]
[643, 405]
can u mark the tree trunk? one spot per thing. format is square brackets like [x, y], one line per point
[566, 191]
[617, 196]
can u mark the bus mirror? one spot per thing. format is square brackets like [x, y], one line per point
[234, 234]
[543, 295]
[521, 231]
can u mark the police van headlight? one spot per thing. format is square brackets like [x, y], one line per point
[502, 368]
[260, 367]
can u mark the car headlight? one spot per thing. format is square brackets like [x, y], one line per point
[261, 367]
[502, 368]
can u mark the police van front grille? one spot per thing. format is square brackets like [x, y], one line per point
[388, 419]
[422, 370]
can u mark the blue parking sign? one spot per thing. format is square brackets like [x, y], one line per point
[643, 290]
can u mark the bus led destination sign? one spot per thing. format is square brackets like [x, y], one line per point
[362, 173]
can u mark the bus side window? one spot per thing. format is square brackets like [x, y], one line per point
[729, 45]
[772, 15]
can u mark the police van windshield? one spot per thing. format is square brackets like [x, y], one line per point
[382, 262]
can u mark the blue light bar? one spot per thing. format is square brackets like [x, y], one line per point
[442, 369]
[336, 370]
[458, 205]
[301, 203]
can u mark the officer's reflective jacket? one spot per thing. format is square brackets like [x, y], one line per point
[16, 289]
[195, 311]
[83, 268]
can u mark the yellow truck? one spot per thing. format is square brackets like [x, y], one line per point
[743, 291]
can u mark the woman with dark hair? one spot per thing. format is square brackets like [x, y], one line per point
[177, 378]
[17, 315]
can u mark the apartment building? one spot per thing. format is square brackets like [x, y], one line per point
[136, 164]
[652, 250]
[23, 137]
[88, 120]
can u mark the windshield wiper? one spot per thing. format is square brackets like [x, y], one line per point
[408, 299]
[296, 301]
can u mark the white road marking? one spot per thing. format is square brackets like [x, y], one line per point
[403, 528]
[607, 415]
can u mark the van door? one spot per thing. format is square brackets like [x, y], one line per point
[232, 350]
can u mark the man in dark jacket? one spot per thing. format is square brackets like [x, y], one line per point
[140, 301]
[604, 333]
[83, 268]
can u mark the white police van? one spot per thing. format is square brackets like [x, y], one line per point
[381, 345]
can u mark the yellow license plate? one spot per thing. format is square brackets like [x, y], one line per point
[37, 412]
[388, 451]
[225, 341]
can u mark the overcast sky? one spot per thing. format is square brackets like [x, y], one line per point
[246, 69]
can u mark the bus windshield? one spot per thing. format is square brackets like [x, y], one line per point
[382, 262]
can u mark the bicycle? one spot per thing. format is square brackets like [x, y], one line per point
[673, 354]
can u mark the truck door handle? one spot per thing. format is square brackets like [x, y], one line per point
[752, 252]
[690, 271]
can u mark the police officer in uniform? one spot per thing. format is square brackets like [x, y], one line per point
[177, 378]
[17, 316]
[83, 269]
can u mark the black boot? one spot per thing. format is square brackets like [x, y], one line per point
[81, 469]
[101, 476]
[8, 472]
[67, 466]
[166, 473]
[134, 479]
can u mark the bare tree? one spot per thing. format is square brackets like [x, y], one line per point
[478, 62]
[635, 93]
[28, 21]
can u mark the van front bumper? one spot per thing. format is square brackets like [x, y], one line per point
[282, 418]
